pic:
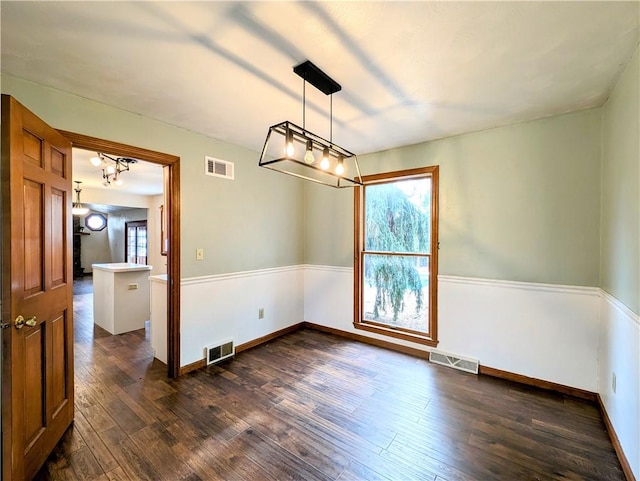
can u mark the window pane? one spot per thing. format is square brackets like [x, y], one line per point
[395, 291]
[142, 241]
[95, 222]
[397, 216]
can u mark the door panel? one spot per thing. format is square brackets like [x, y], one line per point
[33, 149]
[58, 364]
[37, 382]
[33, 237]
[34, 395]
[58, 214]
[57, 163]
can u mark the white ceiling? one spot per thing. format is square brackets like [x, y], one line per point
[410, 71]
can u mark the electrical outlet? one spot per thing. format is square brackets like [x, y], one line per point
[613, 382]
[261, 313]
[199, 254]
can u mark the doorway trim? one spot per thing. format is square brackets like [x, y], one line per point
[172, 162]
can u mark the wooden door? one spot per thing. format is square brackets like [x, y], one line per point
[37, 284]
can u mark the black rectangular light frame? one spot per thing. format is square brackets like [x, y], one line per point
[316, 77]
[286, 165]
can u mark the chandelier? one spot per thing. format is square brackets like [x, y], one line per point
[296, 151]
[112, 167]
[77, 208]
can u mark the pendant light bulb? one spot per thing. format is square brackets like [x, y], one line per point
[288, 149]
[111, 170]
[95, 161]
[340, 165]
[308, 156]
[324, 164]
[118, 181]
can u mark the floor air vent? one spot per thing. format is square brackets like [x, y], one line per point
[218, 168]
[218, 352]
[457, 362]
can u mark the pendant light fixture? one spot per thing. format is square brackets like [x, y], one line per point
[77, 208]
[296, 151]
[112, 167]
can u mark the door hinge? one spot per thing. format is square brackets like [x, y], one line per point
[5, 325]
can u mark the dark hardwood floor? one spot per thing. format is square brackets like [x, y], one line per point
[312, 406]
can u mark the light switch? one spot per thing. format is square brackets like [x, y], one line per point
[199, 254]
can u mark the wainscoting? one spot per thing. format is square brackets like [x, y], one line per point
[619, 353]
[219, 307]
[538, 330]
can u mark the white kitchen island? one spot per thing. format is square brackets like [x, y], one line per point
[121, 296]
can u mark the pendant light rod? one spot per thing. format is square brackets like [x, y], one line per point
[76, 207]
[331, 118]
[309, 72]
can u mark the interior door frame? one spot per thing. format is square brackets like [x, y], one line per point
[172, 196]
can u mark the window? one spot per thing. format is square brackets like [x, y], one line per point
[95, 222]
[136, 241]
[396, 264]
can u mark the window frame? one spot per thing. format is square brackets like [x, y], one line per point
[95, 214]
[359, 252]
[135, 224]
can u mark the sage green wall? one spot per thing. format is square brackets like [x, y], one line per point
[253, 222]
[520, 202]
[620, 254]
[328, 225]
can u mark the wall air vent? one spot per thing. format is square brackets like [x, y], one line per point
[218, 168]
[219, 351]
[453, 360]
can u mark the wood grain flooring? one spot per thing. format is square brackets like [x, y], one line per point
[313, 406]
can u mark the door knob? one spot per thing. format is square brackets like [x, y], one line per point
[20, 322]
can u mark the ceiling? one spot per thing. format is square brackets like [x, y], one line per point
[410, 71]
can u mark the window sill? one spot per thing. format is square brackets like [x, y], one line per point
[399, 334]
